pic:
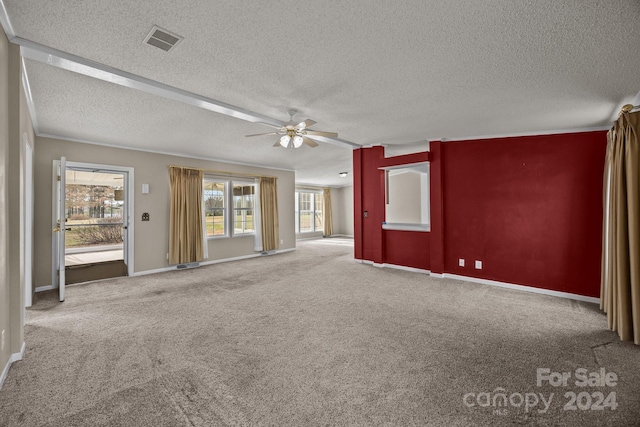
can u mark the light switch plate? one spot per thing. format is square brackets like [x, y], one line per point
[461, 262]
[478, 265]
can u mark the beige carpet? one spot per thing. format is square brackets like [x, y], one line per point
[311, 338]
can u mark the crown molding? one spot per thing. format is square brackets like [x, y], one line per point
[518, 135]
[166, 153]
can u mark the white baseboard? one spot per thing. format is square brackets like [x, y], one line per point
[402, 267]
[13, 358]
[173, 267]
[488, 282]
[524, 288]
[216, 261]
[348, 236]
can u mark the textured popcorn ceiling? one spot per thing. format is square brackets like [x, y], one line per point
[383, 72]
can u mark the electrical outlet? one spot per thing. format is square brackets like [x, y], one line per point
[478, 265]
[282, 241]
[167, 255]
[2, 341]
[461, 262]
[145, 216]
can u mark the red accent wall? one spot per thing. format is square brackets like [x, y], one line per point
[436, 208]
[529, 208]
[372, 243]
[370, 192]
[407, 248]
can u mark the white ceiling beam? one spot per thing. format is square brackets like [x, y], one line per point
[6, 22]
[67, 61]
[76, 64]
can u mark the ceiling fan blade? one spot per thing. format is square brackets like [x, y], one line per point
[321, 133]
[262, 134]
[277, 144]
[307, 123]
[309, 142]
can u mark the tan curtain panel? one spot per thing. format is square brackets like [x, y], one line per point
[620, 285]
[269, 213]
[327, 216]
[186, 233]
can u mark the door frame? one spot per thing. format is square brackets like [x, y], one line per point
[27, 214]
[58, 220]
[128, 221]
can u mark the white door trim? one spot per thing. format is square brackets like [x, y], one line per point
[55, 258]
[62, 226]
[26, 232]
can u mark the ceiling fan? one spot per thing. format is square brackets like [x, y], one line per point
[294, 134]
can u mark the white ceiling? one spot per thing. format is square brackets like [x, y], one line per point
[384, 72]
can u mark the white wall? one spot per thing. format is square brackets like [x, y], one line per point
[342, 204]
[6, 302]
[14, 123]
[405, 200]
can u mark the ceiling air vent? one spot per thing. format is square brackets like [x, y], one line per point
[163, 39]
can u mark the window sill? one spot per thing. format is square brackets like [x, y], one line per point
[405, 227]
[217, 237]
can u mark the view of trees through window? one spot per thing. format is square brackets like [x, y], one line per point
[239, 205]
[214, 200]
[94, 215]
[243, 203]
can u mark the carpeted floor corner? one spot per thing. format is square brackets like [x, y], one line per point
[311, 338]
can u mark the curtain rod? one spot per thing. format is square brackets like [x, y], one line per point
[226, 173]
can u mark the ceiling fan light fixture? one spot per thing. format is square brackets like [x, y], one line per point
[297, 141]
[292, 135]
[284, 140]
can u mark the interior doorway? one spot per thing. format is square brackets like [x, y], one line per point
[93, 215]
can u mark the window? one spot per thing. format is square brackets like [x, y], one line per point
[317, 211]
[243, 204]
[305, 213]
[407, 197]
[308, 207]
[215, 202]
[229, 207]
